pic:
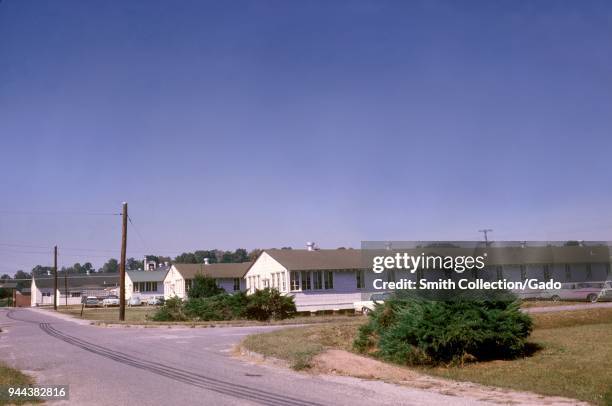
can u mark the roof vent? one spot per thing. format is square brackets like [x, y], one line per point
[310, 246]
[48, 272]
[206, 261]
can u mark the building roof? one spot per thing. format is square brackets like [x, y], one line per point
[295, 260]
[8, 284]
[220, 270]
[157, 275]
[93, 281]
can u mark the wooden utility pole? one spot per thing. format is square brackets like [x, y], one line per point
[66, 286]
[122, 263]
[55, 278]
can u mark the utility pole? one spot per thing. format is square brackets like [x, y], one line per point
[122, 263]
[66, 286]
[485, 232]
[55, 278]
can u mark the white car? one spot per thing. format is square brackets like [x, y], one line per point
[589, 291]
[366, 306]
[134, 301]
[110, 301]
[155, 300]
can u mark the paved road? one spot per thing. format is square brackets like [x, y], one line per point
[185, 366]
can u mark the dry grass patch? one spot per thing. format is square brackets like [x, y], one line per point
[575, 359]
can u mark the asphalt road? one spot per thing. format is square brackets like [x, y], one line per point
[178, 366]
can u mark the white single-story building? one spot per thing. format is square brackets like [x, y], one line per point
[323, 279]
[145, 284]
[229, 276]
[96, 284]
[319, 279]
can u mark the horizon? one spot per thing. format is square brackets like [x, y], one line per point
[266, 124]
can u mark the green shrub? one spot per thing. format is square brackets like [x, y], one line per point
[219, 307]
[203, 286]
[269, 304]
[418, 330]
[172, 310]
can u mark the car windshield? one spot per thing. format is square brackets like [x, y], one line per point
[379, 296]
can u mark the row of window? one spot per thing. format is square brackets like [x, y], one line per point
[311, 280]
[145, 286]
[235, 283]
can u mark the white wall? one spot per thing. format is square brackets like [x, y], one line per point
[174, 284]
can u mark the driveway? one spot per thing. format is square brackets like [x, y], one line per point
[187, 366]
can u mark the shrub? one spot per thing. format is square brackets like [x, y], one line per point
[269, 304]
[219, 307]
[172, 310]
[417, 330]
[203, 286]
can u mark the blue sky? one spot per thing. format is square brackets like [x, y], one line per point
[272, 123]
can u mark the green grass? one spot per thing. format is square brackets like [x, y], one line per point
[142, 316]
[575, 359]
[13, 377]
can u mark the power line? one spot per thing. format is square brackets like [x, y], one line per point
[57, 213]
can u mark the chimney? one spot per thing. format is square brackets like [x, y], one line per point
[388, 245]
[581, 243]
[523, 244]
[88, 272]
[206, 261]
[48, 272]
[310, 246]
[167, 263]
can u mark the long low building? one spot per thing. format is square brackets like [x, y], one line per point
[96, 284]
[322, 279]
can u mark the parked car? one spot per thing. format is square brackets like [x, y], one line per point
[134, 301]
[366, 306]
[110, 301]
[589, 291]
[155, 300]
[91, 301]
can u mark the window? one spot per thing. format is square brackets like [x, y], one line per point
[75, 294]
[294, 281]
[329, 279]
[390, 275]
[153, 286]
[589, 271]
[546, 272]
[236, 284]
[360, 279]
[500, 273]
[568, 272]
[523, 272]
[608, 271]
[284, 281]
[258, 284]
[306, 280]
[317, 280]
[136, 287]
[188, 284]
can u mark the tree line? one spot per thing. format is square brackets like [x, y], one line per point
[112, 265]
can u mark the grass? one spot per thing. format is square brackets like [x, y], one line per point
[13, 377]
[141, 316]
[575, 359]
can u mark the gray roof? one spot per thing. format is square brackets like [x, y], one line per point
[220, 270]
[8, 284]
[295, 260]
[93, 281]
[157, 275]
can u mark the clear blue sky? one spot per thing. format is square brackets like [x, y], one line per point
[272, 123]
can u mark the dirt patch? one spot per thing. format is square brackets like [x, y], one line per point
[339, 362]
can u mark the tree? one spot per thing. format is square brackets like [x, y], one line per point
[5, 277]
[40, 270]
[204, 286]
[254, 254]
[88, 267]
[134, 264]
[111, 266]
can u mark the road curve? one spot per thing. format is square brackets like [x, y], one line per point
[187, 366]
